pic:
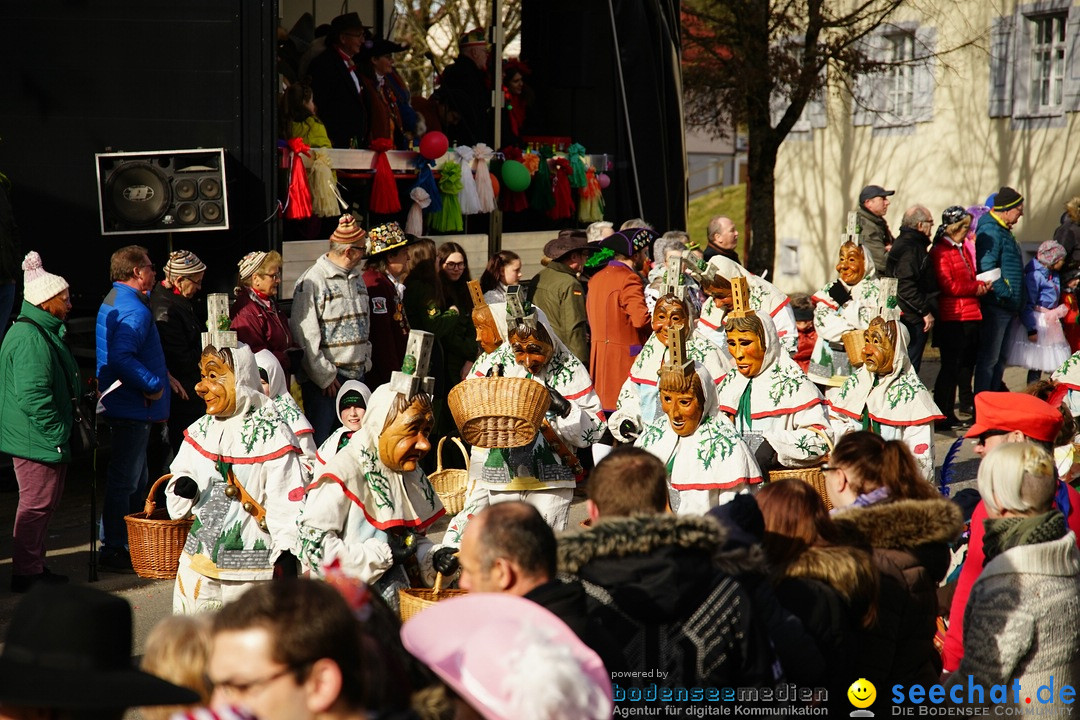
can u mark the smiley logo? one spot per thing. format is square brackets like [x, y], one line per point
[862, 693]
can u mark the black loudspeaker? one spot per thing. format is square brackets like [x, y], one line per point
[162, 191]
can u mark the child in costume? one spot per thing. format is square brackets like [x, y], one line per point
[1037, 342]
[778, 411]
[543, 473]
[371, 504]
[707, 462]
[885, 395]
[845, 305]
[274, 387]
[240, 472]
[639, 403]
[352, 401]
[765, 299]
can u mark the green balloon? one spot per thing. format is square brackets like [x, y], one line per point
[515, 175]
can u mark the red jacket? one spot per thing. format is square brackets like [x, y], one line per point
[620, 323]
[262, 326]
[957, 301]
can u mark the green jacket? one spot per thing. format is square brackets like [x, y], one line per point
[559, 294]
[35, 397]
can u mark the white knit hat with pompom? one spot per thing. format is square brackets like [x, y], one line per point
[38, 285]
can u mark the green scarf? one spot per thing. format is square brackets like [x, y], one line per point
[746, 421]
[868, 423]
[1005, 533]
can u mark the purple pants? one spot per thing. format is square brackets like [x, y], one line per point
[40, 488]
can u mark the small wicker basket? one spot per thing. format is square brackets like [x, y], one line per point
[155, 541]
[854, 342]
[451, 484]
[415, 600]
[498, 412]
[813, 476]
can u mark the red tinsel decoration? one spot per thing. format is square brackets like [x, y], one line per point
[560, 187]
[299, 203]
[513, 200]
[384, 194]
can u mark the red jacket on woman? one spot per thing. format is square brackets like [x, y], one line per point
[259, 322]
[957, 301]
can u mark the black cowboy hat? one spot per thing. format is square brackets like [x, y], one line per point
[70, 648]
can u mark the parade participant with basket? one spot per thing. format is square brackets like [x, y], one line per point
[639, 400]
[779, 413]
[239, 472]
[534, 464]
[885, 395]
[843, 309]
[371, 505]
[707, 462]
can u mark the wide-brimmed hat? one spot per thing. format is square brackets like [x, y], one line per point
[378, 47]
[348, 21]
[387, 238]
[567, 242]
[70, 648]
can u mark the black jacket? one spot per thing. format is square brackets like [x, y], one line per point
[916, 282]
[341, 106]
[652, 584]
[566, 600]
[181, 340]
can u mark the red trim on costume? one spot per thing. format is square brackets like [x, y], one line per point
[394, 522]
[827, 303]
[642, 381]
[583, 392]
[308, 431]
[908, 423]
[244, 460]
[780, 307]
[718, 486]
[785, 411]
[708, 324]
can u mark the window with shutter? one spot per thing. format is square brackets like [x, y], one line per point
[1035, 64]
[903, 94]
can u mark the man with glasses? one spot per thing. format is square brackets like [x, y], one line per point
[916, 283]
[292, 650]
[134, 383]
[331, 322]
[1003, 417]
[335, 83]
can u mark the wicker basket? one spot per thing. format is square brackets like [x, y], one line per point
[451, 484]
[414, 600]
[156, 541]
[854, 341]
[499, 412]
[811, 475]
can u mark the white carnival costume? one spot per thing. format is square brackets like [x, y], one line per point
[780, 404]
[896, 406]
[337, 440]
[356, 502]
[765, 299]
[286, 406]
[226, 549]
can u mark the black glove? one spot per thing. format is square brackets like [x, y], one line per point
[629, 430]
[839, 293]
[559, 405]
[185, 487]
[765, 456]
[402, 545]
[445, 561]
[285, 566]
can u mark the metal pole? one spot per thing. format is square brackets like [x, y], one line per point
[495, 224]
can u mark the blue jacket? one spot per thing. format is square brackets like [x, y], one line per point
[1042, 289]
[995, 247]
[129, 350]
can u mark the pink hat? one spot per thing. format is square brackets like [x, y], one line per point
[509, 658]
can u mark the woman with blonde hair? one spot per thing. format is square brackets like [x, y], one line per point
[256, 317]
[1022, 620]
[178, 650]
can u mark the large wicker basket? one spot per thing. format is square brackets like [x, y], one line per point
[813, 476]
[156, 541]
[451, 484]
[499, 412]
[414, 600]
[854, 341]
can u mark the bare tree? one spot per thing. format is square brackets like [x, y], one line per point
[431, 29]
[758, 63]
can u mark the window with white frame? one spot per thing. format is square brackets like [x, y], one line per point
[901, 75]
[1047, 60]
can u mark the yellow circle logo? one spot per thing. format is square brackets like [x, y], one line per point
[862, 693]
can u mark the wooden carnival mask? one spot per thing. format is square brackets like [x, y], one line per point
[487, 332]
[880, 348]
[748, 350]
[669, 312]
[682, 398]
[532, 349]
[851, 266]
[720, 292]
[404, 439]
[217, 386]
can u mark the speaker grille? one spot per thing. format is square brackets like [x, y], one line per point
[138, 193]
[211, 212]
[210, 188]
[187, 213]
[185, 189]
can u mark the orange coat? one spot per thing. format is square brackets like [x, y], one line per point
[620, 324]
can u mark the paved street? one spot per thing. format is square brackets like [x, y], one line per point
[151, 599]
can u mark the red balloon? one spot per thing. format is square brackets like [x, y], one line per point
[433, 145]
[494, 184]
[603, 179]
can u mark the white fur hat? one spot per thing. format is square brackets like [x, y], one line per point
[38, 285]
